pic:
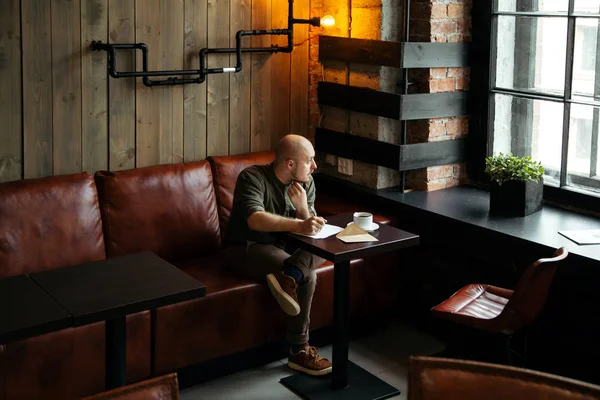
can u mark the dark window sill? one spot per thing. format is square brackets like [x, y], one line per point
[469, 207]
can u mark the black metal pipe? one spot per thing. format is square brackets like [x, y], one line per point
[290, 25]
[203, 70]
[175, 81]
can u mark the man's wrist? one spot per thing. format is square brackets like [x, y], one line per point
[297, 225]
[302, 211]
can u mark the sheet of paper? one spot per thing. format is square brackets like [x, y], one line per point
[327, 231]
[591, 236]
[365, 237]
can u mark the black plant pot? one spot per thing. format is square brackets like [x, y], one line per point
[516, 199]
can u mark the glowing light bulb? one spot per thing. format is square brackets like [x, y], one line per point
[327, 21]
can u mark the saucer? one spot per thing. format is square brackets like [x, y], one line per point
[374, 227]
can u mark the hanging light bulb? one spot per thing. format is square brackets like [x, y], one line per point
[327, 21]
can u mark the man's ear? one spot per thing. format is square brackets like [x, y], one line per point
[290, 163]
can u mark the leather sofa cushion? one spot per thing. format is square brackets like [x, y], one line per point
[229, 319]
[226, 170]
[49, 223]
[170, 210]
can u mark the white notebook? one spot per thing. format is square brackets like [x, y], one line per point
[327, 231]
[583, 236]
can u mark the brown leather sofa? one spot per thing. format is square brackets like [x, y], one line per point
[180, 212]
[45, 224]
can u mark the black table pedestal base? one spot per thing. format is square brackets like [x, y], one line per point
[362, 385]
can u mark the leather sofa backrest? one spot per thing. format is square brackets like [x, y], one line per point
[49, 223]
[225, 171]
[432, 378]
[170, 210]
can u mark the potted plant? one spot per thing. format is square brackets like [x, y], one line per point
[516, 187]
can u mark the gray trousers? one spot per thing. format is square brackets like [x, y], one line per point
[257, 260]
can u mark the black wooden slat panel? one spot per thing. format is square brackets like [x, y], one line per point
[357, 148]
[397, 157]
[394, 54]
[363, 51]
[434, 55]
[390, 105]
[360, 99]
[433, 105]
[429, 154]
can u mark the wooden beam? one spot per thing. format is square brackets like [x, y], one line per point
[422, 155]
[397, 157]
[363, 51]
[390, 105]
[394, 54]
[433, 105]
[364, 100]
[358, 148]
[434, 55]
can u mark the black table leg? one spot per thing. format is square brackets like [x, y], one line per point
[116, 354]
[341, 284]
[347, 381]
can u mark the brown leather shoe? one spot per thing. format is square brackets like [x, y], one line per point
[309, 361]
[285, 290]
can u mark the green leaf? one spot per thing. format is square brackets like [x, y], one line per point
[502, 168]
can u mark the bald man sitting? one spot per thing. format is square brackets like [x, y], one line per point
[280, 197]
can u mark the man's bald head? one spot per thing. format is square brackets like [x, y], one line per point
[292, 147]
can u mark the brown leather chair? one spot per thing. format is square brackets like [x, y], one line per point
[497, 310]
[161, 388]
[432, 378]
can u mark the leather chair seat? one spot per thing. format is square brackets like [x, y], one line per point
[474, 305]
[502, 311]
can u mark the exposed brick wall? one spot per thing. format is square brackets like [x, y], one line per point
[431, 21]
[439, 21]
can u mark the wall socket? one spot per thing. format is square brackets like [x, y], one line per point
[344, 166]
[331, 159]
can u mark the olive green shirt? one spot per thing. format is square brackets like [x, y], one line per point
[258, 189]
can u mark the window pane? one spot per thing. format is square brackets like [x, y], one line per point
[585, 59]
[587, 6]
[529, 5]
[531, 54]
[530, 127]
[582, 166]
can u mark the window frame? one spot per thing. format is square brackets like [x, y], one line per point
[482, 91]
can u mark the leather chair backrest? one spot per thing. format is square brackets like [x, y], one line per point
[529, 297]
[225, 171]
[49, 223]
[431, 378]
[170, 210]
[160, 388]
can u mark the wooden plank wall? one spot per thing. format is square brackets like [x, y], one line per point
[62, 114]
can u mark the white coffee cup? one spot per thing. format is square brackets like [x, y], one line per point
[363, 220]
